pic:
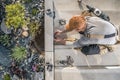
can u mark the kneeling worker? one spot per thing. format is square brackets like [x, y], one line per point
[94, 30]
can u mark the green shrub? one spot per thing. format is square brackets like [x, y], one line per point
[15, 15]
[34, 26]
[19, 53]
[5, 40]
[7, 77]
[34, 11]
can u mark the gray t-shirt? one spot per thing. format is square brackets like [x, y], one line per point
[99, 27]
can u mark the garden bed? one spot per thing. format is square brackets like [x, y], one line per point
[22, 38]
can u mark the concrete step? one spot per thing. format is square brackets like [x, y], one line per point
[78, 73]
[65, 9]
[114, 15]
[101, 4]
[110, 58]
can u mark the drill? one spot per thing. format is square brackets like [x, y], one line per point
[98, 13]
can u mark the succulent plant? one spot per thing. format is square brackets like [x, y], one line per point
[34, 26]
[19, 53]
[15, 15]
[5, 40]
[7, 76]
[34, 11]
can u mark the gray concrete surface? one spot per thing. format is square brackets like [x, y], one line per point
[48, 27]
[76, 73]
[49, 56]
[111, 7]
[101, 4]
[65, 9]
[110, 58]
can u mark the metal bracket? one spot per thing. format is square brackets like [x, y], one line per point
[50, 13]
[62, 22]
[49, 66]
[68, 62]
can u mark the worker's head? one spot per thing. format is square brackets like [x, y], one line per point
[77, 23]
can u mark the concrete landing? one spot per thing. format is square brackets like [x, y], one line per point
[110, 58]
[77, 73]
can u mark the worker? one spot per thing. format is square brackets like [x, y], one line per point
[94, 30]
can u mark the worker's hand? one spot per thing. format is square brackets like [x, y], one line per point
[59, 41]
[57, 34]
[59, 38]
